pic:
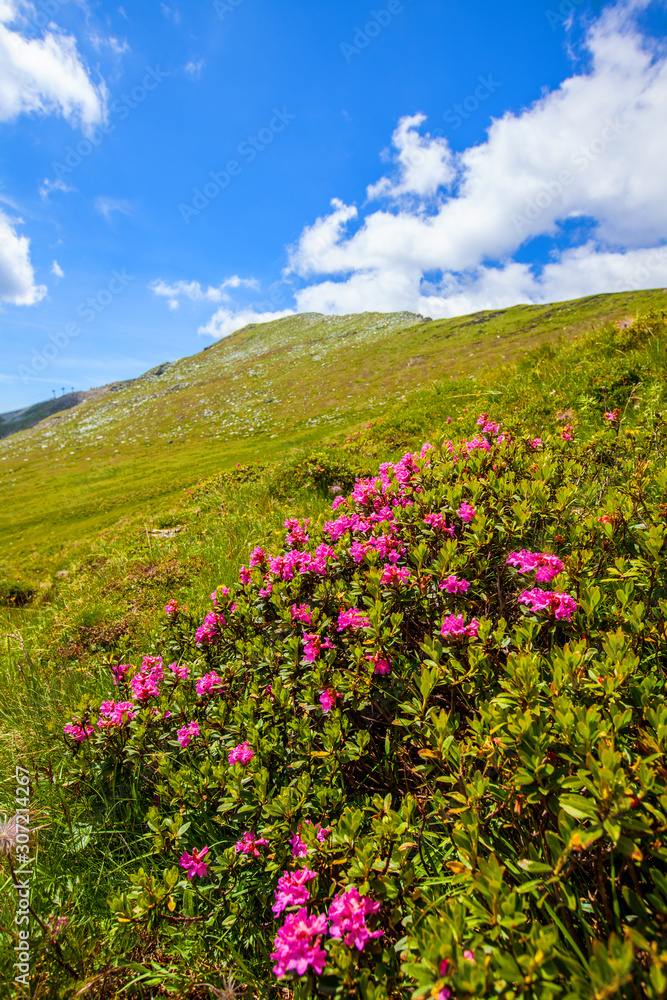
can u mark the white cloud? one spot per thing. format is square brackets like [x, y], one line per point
[44, 75]
[47, 186]
[57, 270]
[17, 278]
[193, 290]
[107, 206]
[424, 164]
[593, 149]
[226, 321]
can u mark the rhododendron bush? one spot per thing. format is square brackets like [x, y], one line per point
[419, 748]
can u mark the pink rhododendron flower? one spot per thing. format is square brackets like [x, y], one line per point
[610, 416]
[466, 512]
[297, 944]
[536, 442]
[77, 732]
[352, 618]
[299, 846]
[425, 449]
[313, 645]
[292, 890]
[172, 608]
[393, 576]
[180, 672]
[119, 671]
[193, 864]
[115, 713]
[347, 913]
[566, 433]
[302, 613]
[245, 576]
[382, 663]
[470, 955]
[241, 754]
[257, 557]
[187, 733]
[209, 683]
[296, 534]
[208, 632]
[328, 700]
[453, 585]
[562, 605]
[455, 625]
[249, 844]
[145, 687]
[439, 522]
[546, 565]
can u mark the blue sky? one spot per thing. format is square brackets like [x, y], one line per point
[171, 171]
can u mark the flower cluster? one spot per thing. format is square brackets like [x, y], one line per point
[561, 605]
[545, 565]
[241, 754]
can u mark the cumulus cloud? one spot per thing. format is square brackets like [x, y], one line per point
[17, 278]
[226, 321]
[445, 240]
[44, 75]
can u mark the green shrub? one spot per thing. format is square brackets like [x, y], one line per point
[470, 779]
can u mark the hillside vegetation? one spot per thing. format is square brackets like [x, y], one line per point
[131, 447]
[383, 716]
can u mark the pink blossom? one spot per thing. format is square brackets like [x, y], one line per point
[172, 608]
[425, 449]
[249, 844]
[347, 913]
[208, 683]
[313, 645]
[299, 846]
[392, 576]
[455, 625]
[297, 944]
[180, 672]
[453, 585]
[245, 576]
[145, 687]
[449, 420]
[292, 890]
[208, 632]
[302, 613]
[438, 522]
[77, 732]
[187, 733]
[119, 671]
[536, 442]
[296, 534]
[352, 618]
[470, 955]
[566, 433]
[547, 566]
[382, 664]
[241, 754]
[610, 416]
[193, 864]
[328, 700]
[266, 591]
[115, 713]
[257, 557]
[466, 512]
[562, 605]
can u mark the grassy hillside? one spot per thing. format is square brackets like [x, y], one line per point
[131, 447]
[499, 795]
